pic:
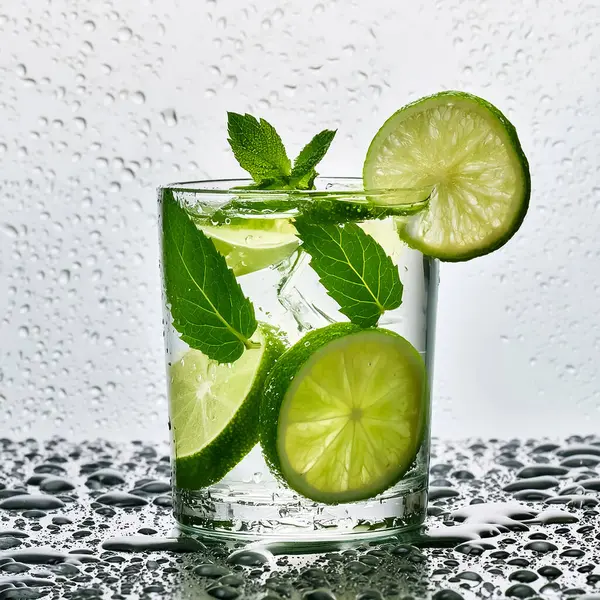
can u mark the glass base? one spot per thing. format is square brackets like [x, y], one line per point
[255, 513]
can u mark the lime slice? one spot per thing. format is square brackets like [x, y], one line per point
[214, 409]
[344, 413]
[468, 153]
[249, 245]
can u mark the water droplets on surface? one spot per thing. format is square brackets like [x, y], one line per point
[519, 541]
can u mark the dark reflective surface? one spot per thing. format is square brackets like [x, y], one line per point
[94, 520]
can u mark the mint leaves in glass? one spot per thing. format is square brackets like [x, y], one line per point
[299, 315]
[342, 313]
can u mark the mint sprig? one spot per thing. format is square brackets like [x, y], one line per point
[353, 268]
[259, 150]
[303, 174]
[208, 306]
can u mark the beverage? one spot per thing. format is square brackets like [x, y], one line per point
[289, 298]
[299, 317]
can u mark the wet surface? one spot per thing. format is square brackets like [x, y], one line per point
[513, 519]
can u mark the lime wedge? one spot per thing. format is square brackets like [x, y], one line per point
[468, 153]
[249, 245]
[215, 407]
[344, 413]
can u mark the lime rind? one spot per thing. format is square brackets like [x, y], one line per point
[275, 421]
[442, 230]
[226, 447]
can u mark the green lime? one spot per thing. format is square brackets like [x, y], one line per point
[468, 153]
[249, 245]
[344, 413]
[215, 407]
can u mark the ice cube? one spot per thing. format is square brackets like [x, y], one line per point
[301, 294]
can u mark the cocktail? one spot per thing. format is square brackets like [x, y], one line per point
[299, 319]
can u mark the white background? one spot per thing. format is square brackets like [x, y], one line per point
[101, 101]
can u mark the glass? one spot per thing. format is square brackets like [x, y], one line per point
[254, 231]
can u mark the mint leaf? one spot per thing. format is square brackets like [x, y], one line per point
[354, 269]
[208, 307]
[260, 151]
[303, 174]
[258, 148]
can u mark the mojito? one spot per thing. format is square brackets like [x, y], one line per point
[299, 319]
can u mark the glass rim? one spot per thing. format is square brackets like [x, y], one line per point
[335, 187]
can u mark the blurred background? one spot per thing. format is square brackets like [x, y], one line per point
[100, 102]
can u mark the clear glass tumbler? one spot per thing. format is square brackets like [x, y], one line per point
[327, 441]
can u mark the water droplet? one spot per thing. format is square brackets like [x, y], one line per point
[124, 34]
[249, 558]
[523, 576]
[127, 175]
[169, 117]
[53, 485]
[31, 501]
[211, 571]
[541, 547]
[549, 572]
[10, 230]
[230, 82]
[447, 595]
[319, 594]
[121, 499]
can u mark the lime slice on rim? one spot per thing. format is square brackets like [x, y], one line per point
[214, 409]
[468, 153]
[344, 413]
[249, 245]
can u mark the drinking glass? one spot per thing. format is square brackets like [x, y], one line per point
[223, 486]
